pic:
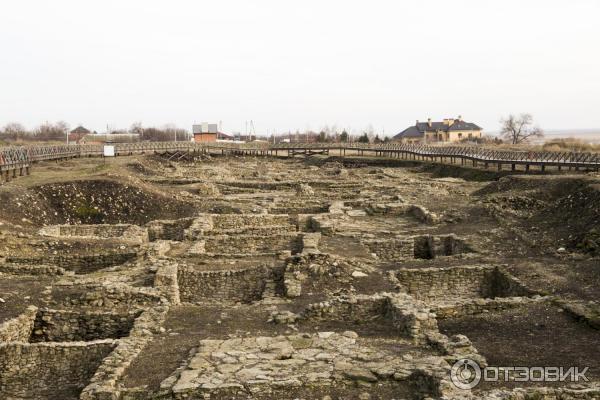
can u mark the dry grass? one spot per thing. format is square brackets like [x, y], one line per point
[570, 144]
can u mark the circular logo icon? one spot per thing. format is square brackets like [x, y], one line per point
[465, 374]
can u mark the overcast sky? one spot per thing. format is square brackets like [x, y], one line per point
[297, 65]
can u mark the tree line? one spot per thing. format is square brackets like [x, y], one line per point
[58, 131]
[16, 132]
[515, 129]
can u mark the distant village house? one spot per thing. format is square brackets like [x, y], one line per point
[448, 130]
[77, 134]
[206, 132]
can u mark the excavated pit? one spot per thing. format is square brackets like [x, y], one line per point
[99, 201]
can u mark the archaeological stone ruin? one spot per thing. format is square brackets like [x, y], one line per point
[321, 277]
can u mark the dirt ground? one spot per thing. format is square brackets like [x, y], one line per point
[540, 335]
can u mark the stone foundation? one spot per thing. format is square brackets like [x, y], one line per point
[422, 246]
[245, 285]
[237, 221]
[392, 249]
[436, 284]
[106, 296]
[165, 280]
[461, 307]
[274, 367]
[126, 232]
[18, 329]
[168, 229]
[80, 264]
[59, 370]
[72, 325]
[24, 269]
[250, 244]
[408, 318]
[104, 384]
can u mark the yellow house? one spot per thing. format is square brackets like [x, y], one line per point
[449, 130]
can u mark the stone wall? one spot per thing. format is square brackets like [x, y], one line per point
[24, 269]
[165, 280]
[323, 223]
[392, 208]
[236, 221]
[354, 309]
[71, 325]
[18, 329]
[105, 296]
[168, 229]
[461, 307]
[127, 232]
[80, 264]
[396, 249]
[313, 268]
[422, 214]
[397, 208]
[304, 206]
[499, 283]
[104, 384]
[257, 230]
[587, 312]
[59, 370]
[424, 247]
[250, 244]
[432, 246]
[310, 242]
[409, 318]
[433, 284]
[235, 285]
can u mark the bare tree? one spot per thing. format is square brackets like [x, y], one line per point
[14, 131]
[136, 127]
[370, 132]
[49, 131]
[171, 130]
[519, 129]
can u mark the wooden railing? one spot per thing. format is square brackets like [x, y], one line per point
[20, 158]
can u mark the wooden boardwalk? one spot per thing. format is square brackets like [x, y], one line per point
[17, 160]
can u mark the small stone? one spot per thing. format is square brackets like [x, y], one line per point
[350, 334]
[325, 335]
[358, 274]
[359, 374]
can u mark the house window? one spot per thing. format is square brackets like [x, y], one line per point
[470, 135]
[460, 135]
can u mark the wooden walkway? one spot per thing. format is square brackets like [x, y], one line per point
[17, 160]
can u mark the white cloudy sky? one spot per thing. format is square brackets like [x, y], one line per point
[297, 65]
